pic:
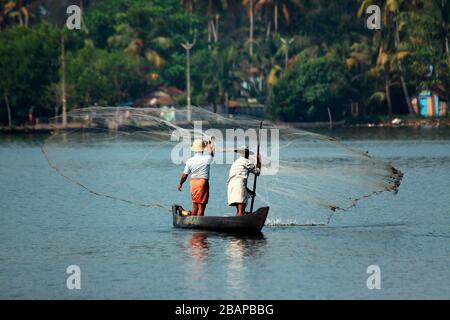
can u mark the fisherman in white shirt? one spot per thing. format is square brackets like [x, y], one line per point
[198, 167]
[238, 193]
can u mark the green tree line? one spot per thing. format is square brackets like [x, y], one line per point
[305, 60]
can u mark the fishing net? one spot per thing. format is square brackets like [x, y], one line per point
[137, 156]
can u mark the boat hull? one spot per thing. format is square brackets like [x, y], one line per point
[249, 223]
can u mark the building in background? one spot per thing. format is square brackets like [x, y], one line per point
[430, 104]
[163, 96]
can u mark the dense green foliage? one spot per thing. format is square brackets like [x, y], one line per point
[29, 64]
[106, 78]
[310, 87]
[127, 48]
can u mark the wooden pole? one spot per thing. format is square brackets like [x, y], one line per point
[63, 82]
[188, 80]
[251, 28]
[257, 162]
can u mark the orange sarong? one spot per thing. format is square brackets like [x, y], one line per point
[200, 190]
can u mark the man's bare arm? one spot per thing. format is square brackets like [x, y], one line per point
[182, 180]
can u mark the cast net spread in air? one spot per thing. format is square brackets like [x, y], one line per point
[137, 156]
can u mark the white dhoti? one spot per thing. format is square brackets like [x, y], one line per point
[237, 191]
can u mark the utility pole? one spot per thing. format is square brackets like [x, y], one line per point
[63, 82]
[286, 44]
[188, 46]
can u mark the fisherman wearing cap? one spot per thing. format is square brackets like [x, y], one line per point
[238, 192]
[198, 167]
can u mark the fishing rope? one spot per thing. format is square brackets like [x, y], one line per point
[379, 176]
[99, 194]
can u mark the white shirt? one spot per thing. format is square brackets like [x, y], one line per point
[241, 168]
[198, 166]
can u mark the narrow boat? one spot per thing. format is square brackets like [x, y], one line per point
[249, 223]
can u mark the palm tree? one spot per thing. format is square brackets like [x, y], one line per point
[383, 38]
[11, 11]
[389, 40]
[443, 9]
[366, 67]
[22, 12]
[251, 7]
[274, 7]
[220, 77]
[226, 60]
[5, 12]
[212, 12]
[188, 5]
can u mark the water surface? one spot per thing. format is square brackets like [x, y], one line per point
[125, 251]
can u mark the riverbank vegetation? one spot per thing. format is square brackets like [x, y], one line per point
[305, 60]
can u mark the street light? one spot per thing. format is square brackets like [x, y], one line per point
[188, 46]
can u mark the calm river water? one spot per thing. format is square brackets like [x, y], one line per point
[47, 224]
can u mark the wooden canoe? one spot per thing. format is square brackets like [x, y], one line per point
[249, 223]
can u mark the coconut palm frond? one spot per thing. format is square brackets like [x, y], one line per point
[379, 96]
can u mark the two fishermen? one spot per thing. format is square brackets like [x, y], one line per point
[199, 166]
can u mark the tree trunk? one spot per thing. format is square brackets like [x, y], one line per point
[447, 50]
[20, 5]
[26, 15]
[261, 81]
[213, 30]
[251, 27]
[275, 16]
[286, 55]
[216, 39]
[209, 34]
[330, 118]
[226, 103]
[406, 94]
[388, 90]
[269, 27]
[402, 78]
[8, 109]
[82, 11]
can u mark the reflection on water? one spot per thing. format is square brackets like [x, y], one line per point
[198, 246]
[238, 250]
[197, 275]
[236, 268]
